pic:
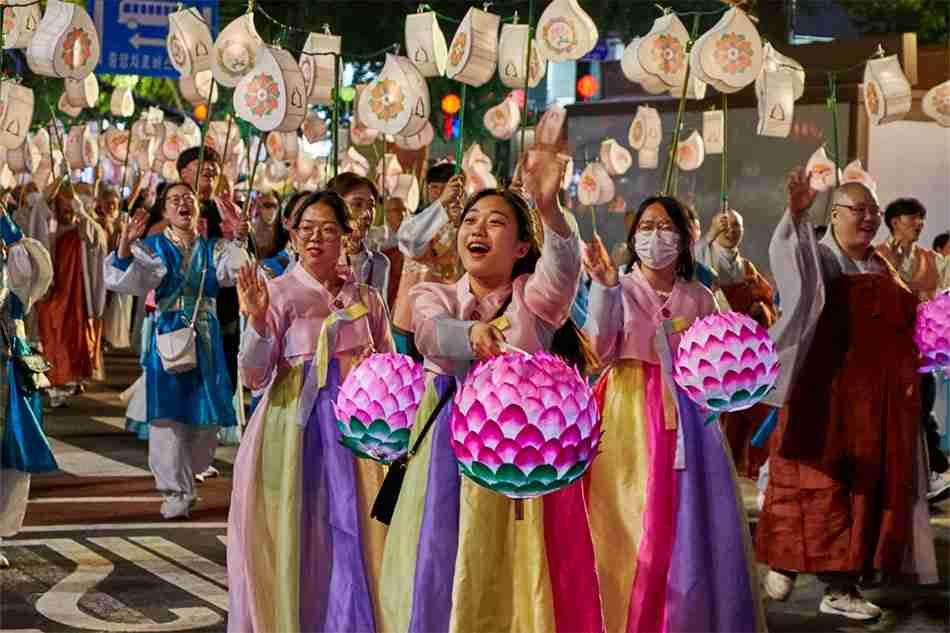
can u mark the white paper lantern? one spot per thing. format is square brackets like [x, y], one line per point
[425, 44]
[22, 159]
[632, 70]
[417, 141]
[195, 89]
[614, 157]
[82, 93]
[122, 104]
[16, 113]
[662, 51]
[473, 54]
[566, 32]
[646, 131]
[272, 95]
[116, 144]
[354, 162]
[397, 101]
[780, 82]
[65, 108]
[65, 44]
[406, 188]
[503, 120]
[282, 145]
[887, 93]
[512, 54]
[314, 128]
[595, 186]
[821, 171]
[729, 55]
[714, 124]
[235, 51]
[936, 103]
[318, 69]
[854, 172]
[690, 153]
[551, 126]
[20, 22]
[189, 42]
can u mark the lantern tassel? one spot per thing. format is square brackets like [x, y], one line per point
[765, 429]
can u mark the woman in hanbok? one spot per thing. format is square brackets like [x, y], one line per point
[673, 546]
[303, 552]
[25, 275]
[458, 557]
[184, 409]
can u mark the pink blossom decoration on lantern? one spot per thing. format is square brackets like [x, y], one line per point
[525, 425]
[932, 332]
[726, 362]
[376, 406]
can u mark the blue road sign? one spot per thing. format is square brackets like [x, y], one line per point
[133, 32]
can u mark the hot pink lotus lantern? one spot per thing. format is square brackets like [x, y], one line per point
[376, 406]
[932, 332]
[726, 362]
[525, 425]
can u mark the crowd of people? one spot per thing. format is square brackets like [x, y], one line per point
[248, 324]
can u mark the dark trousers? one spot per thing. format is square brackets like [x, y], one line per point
[928, 397]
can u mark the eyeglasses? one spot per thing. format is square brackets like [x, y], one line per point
[861, 210]
[655, 226]
[327, 232]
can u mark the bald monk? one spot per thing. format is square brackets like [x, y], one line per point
[847, 486]
[749, 293]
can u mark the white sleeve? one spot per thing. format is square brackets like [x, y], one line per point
[229, 257]
[136, 275]
[417, 231]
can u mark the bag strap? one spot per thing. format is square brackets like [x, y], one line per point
[201, 291]
[449, 392]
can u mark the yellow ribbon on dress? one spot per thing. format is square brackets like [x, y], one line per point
[317, 377]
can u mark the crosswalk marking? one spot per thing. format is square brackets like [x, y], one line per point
[167, 571]
[184, 557]
[61, 602]
[84, 463]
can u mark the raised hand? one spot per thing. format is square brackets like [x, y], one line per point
[453, 191]
[598, 264]
[541, 174]
[132, 229]
[254, 297]
[717, 227]
[800, 194]
[487, 341]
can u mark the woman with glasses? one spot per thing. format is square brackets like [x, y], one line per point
[673, 547]
[303, 553]
[184, 408]
[458, 557]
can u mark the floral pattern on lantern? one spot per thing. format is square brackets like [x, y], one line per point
[870, 94]
[177, 50]
[734, 53]
[376, 406]
[637, 133]
[726, 362]
[263, 95]
[669, 53]
[458, 49]
[560, 34]
[386, 100]
[524, 425]
[77, 48]
[941, 100]
[932, 332]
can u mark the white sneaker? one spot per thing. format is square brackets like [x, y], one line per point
[938, 487]
[177, 506]
[850, 604]
[210, 473]
[778, 586]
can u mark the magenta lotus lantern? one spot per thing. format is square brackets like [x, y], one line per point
[932, 332]
[726, 362]
[525, 425]
[376, 406]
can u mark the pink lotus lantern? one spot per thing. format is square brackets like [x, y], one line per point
[376, 406]
[932, 332]
[726, 362]
[525, 425]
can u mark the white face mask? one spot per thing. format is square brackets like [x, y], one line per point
[657, 249]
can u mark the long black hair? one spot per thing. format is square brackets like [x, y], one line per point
[569, 341]
[679, 215]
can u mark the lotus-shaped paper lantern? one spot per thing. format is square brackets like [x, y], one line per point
[821, 171]
[376, 406]
[525, 425]
[932, 332]
[936, 103]
[726, 362]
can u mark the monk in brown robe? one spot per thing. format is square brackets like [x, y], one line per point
[846, 493]
[749, 293]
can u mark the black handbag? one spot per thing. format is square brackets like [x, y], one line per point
[30, 368]
[388, 494]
